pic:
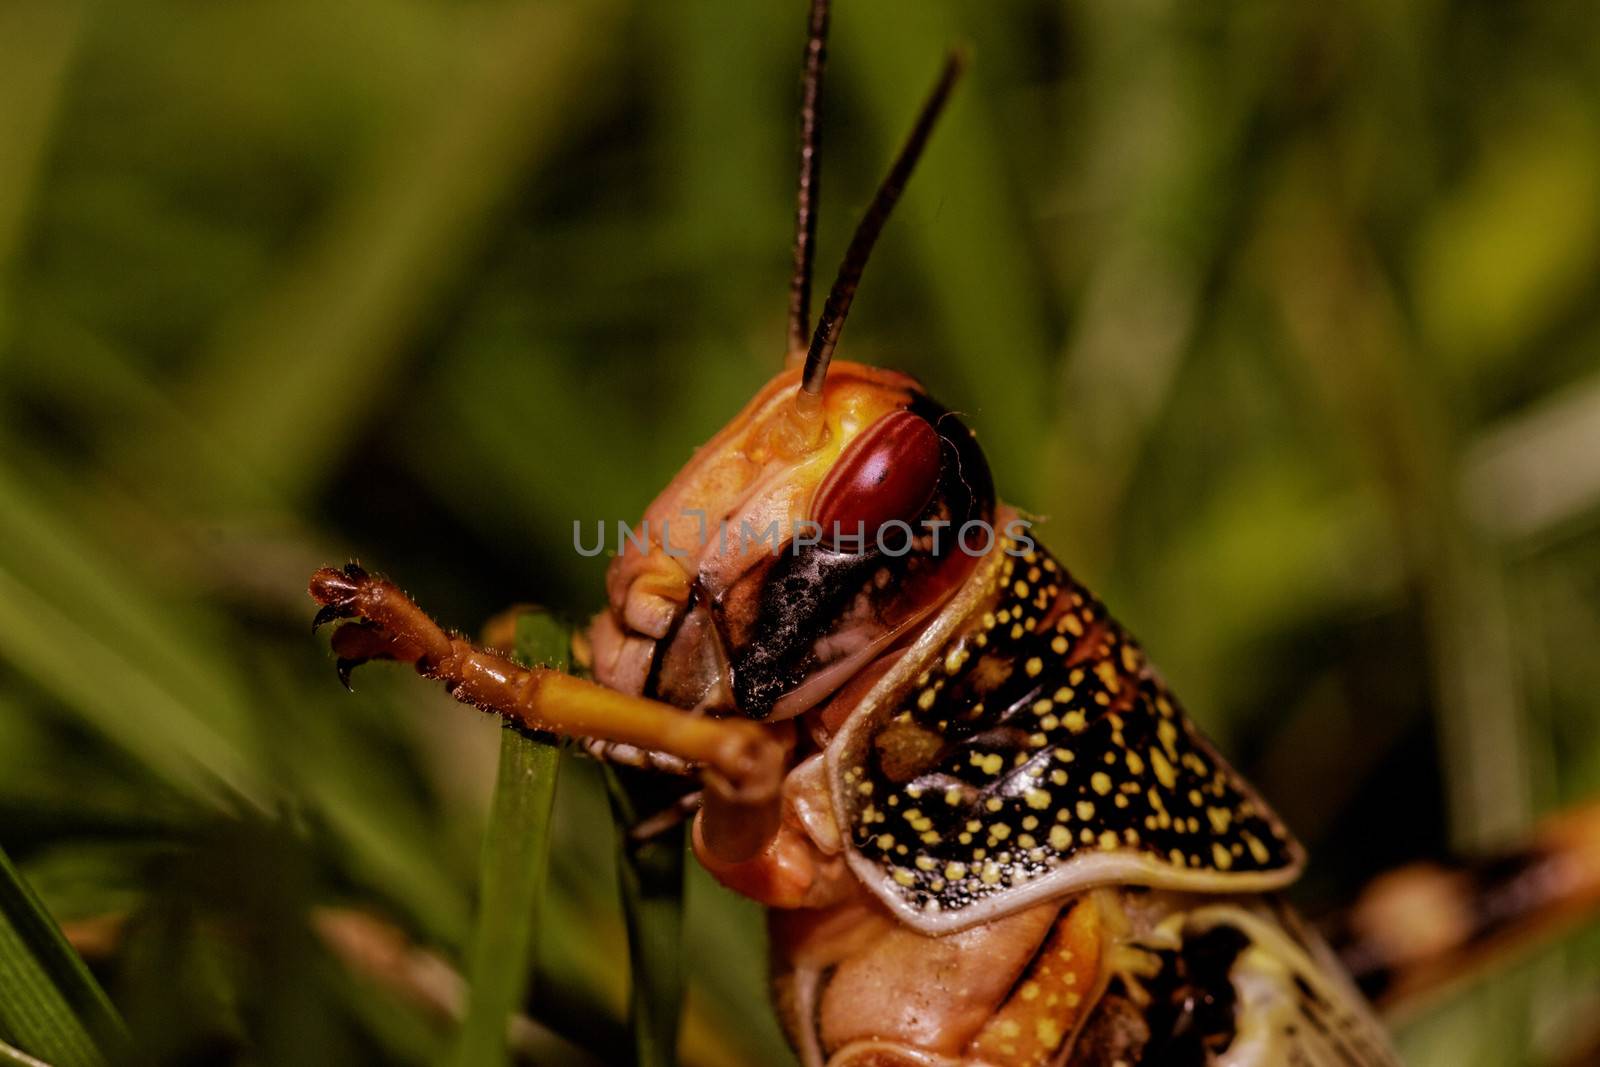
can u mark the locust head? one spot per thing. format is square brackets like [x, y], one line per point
[810, 536]
[821, 526]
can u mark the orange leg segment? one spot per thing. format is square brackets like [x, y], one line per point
[742, 764]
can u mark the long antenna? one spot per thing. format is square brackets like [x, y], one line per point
[805, 208]
[829, 326]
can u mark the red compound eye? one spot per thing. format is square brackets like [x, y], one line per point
[887, 473]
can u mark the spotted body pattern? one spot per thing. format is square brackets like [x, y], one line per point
[1036, 738]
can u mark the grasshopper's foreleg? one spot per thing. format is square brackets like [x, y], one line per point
[742, 764]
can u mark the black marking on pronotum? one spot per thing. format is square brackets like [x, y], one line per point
[1037, 733]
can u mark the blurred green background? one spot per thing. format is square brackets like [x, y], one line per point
[1284, 315]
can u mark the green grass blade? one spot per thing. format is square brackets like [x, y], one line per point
[15, 1057]
[516, 855]
[50, 1004]
[650, 875]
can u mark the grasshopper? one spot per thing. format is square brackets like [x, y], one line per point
[985, 830]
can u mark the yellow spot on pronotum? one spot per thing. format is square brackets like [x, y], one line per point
[1165, 773]
[904, 877]
[1085, 810]
[1100, 781]
[1257, 849]
[1033, 666]
[1037, 799]
[1168, 735]
[1220, 857]
[1060, 838]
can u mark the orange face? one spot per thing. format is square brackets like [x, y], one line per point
[795, 547]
